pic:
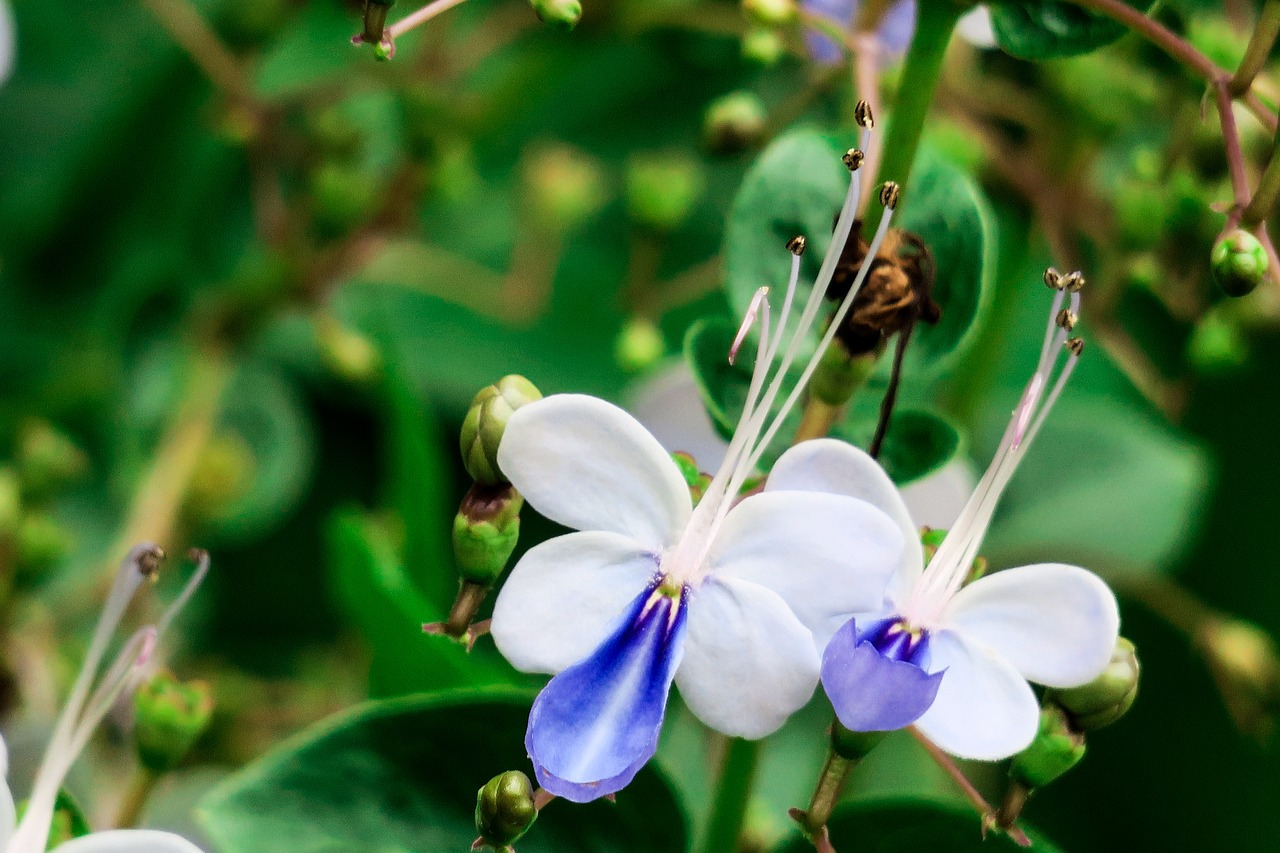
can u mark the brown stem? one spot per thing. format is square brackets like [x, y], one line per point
[1231, 143]
[186, 27]
[465, 606]
[891, 393]
[971, 793]
[1158, 34]
[1015, 800]
[1259, 48]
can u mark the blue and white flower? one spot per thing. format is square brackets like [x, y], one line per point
[953, 658]
[731, 600]
[91, 699]
[893, 35]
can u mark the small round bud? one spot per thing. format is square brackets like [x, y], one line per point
[560, 14]
[485, 422]
[1105, 699]
[1217, 345]
[863, 115]
[505, 808]
[1239, 263]
[853, 159]
[1055, 750]
[566, 186]
[640, 345]
[763, 46]
[852, 745]
[384, 50]
[734, 122]
[485, 532]
[662, 190]
[169, 717]
[349, 355]
[47, 459]
[796, 245]
[770, 13]
[890, 192]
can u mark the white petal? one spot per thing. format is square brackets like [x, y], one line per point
[8, 815]
[937, 500]
[8, 41]
[828, 556]
[748, 663]
[829, 465]
[984, 709]
[1056, 624]
[589, 465]
[976, 28]
[129, 841]
[563, 597]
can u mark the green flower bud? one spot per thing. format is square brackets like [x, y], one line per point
[763, 46]
[42, 543]
[485, 422]
[734, 122]
[1239, 263]
[688, 467]
[1217, 346]
[1055, 750]
[839, 375]
[662, 189]
[47, 459]
[169, 716]
[770, 13]
[640, 345]
[342, 196]
[561, 14]
[10, 501]
[505, 809]
[1105, 699]
[852, 745]
[347, 353]
[566, 186]
[485, 532]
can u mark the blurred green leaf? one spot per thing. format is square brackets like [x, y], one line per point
[797, 186]
[1046, 29]
[1105, 487]
[913, 825]
[402, 775]
[919, 441]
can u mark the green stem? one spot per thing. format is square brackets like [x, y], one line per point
[920, 73]
[1264, 198]
[733, 793]
[1260, 44]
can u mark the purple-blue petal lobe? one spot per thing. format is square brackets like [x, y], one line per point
[876, 679]
[821, 47]
[596, 724]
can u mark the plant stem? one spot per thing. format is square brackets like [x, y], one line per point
[420, 17]
[141, 786]
[733, 793]
[920, 73]
[193, 34]
[1260, 44]
[1264, 197]
[825, 794]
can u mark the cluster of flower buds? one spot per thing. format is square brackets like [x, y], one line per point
[487, 525]
[1239, 263]
[1066, 717]
[505, 809]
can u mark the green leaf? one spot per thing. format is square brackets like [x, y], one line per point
[798, 185]
[402, 776]
[913, 825]
[1047, 29]
[918, 443]
[1104, 487]
[371, 584]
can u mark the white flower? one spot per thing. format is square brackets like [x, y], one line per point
[85, 709]
[957, 658]
[732, 601]
[8, 41]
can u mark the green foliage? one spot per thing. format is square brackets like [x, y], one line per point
[1045, 29]
[402, 775]
[909, 825]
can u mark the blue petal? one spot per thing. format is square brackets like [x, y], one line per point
[897, 27]
[823, 50]
[596, 723]
[871, 691]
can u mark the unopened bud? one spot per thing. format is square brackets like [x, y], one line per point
[734, 122]
[1055, 750]
[47, 459]
[763, 46]
[560, 14]
[662, 189]
[486, 421]
[1239, 263]
[640, 345]
[770, 13]
[485, 532]
[565, 185]
[505, 808]
[169, 717]
[1105, 699]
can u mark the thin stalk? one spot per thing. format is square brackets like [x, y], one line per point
[921, 71]
[971, 793]
[420, 17]
[1268, 191]
[733, 794]
[1259, 48]
[193, 34]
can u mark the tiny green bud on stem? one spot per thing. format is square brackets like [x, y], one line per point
[734, 122]
[1239, 263]
[485, 422]
[640, 345]
[505, 809]
[1056, 749]
[1108, 697]
[485, 532]
[169, 717]
[560, 14]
